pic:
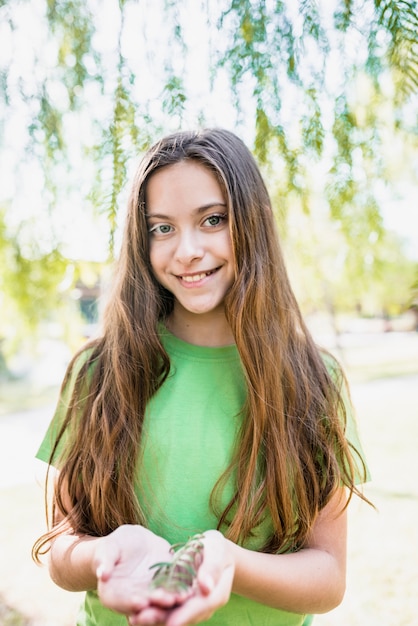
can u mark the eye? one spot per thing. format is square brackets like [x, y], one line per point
[216, 219]
[160, 229]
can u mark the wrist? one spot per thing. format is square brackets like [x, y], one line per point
[233, 552]
[73, 562]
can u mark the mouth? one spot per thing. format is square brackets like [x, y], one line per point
[195, 278]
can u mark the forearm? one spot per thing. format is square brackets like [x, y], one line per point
[71, 562]
[308, 581]
[311, 580]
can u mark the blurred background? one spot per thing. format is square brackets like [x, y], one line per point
[325, 93]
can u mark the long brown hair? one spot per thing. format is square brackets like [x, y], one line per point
[292, 453]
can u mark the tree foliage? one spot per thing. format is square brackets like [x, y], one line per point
[89, 84]
[29, 286]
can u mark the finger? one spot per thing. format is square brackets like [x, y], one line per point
[202, 607]
[213, 560]
[107, 555]
[205, 582]
[121, 600]
[167, 599]
[195, 610]
[149, 616]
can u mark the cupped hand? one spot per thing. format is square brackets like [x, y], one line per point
[214, 583]
[122, 561]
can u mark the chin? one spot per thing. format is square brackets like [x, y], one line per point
[203, 310]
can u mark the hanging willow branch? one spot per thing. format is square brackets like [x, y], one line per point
[267, 49]
[399, 18]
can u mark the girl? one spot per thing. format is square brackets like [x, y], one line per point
[204, 407]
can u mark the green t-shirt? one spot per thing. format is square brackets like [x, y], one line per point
[190, 429]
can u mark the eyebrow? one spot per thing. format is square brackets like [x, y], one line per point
[198, 210]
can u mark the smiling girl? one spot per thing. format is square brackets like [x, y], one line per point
[204, 407]
[191, 251]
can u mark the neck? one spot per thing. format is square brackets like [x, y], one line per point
[199, 329]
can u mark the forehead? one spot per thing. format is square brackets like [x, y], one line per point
[187, 183]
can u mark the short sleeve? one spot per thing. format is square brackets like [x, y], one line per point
[361, 470]
[48, 443]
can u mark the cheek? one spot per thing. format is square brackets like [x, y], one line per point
[154, 257]
[159, 256]
[229, 250]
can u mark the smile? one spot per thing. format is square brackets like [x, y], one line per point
[195, 278]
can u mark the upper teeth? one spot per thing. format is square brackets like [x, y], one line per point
[195, 278]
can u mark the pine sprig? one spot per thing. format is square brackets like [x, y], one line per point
[179, 574]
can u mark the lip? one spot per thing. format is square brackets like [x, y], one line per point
[195, 279]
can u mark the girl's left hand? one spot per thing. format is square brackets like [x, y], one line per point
[214, 583]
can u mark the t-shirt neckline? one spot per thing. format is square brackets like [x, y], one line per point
[174, 344]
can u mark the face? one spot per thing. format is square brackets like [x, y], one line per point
[190, 244]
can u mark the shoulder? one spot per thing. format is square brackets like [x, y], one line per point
[54, 441]
[81, 367]
[333, 367]
[85, 358]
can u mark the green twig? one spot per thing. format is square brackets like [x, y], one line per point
[180, 573]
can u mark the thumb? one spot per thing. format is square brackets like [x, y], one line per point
[106, 557]
[205, 581]
[208, 572]
[211, 567]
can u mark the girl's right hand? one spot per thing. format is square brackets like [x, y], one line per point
[122, 561]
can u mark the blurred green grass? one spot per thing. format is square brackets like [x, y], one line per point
[385, 356]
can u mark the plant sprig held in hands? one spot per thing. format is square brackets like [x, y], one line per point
[179, 575]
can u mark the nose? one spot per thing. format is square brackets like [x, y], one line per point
[189, 247]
